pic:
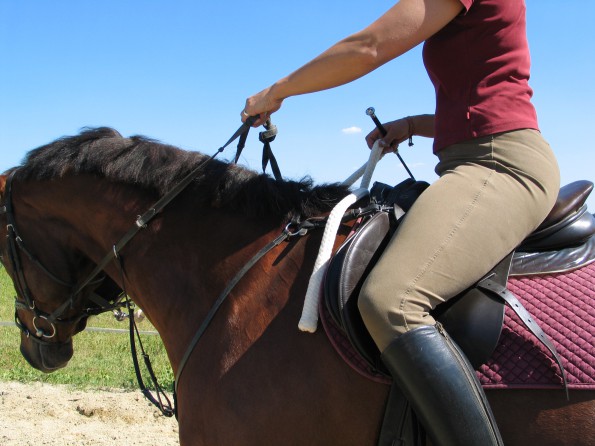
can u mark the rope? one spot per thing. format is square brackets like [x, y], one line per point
[309, 320]
[367, 169]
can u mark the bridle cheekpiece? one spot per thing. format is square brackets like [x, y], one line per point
[16, 246]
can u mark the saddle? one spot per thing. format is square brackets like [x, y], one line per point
[474, 319]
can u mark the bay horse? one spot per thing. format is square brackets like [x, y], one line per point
[253, 378]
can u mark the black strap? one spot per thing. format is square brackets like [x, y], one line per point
[141, 223]
[266, 138]
[500, 290]
[161, 401]
[241, 144]
[143, 220]
[230, 286]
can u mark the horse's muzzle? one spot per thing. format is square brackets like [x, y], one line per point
[46, 356]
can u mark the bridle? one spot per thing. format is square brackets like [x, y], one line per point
[16, 246]
[96, 276]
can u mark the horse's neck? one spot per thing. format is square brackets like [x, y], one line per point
[181, 265]
[177, 267]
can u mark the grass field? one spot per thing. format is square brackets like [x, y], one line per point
[100, 359]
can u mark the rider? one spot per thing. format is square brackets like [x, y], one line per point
[498, 181]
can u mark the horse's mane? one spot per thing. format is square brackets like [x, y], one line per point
[157, 167]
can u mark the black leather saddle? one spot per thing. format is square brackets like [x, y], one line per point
[568, 223]
[474, 319]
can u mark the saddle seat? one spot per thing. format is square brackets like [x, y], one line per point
[474, 318]
[567, 224]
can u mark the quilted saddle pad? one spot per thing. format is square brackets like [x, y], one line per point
[563, 305]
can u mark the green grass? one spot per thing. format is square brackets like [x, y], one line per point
[100, 359]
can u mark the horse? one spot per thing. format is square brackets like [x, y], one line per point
[252, 378]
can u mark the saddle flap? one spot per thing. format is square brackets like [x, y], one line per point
[552, 262]
[361, 256]
[474, 321]
[345, 276]
[332, 280]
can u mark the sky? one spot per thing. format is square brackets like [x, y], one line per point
[180, 71]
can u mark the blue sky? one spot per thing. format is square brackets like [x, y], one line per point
[179, 71]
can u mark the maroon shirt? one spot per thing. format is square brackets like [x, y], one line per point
[479, 64]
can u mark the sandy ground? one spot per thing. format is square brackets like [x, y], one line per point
[43, 414]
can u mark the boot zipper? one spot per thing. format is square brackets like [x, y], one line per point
[471, 379]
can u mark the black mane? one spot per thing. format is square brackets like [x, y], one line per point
[158, 167]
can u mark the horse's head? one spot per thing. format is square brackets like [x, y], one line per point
[50, 305]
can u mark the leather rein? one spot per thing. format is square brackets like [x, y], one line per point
[96, 276]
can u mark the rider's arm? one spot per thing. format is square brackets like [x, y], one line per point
[423, 125]
[401, 28]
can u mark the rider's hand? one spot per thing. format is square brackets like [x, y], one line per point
[264, 104]
[396, 132]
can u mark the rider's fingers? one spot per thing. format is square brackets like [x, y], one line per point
[372, 137]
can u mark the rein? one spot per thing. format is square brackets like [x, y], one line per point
[142, 220]
[16, 244]
[302, 229]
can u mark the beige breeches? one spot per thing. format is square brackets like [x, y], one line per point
[492, 192]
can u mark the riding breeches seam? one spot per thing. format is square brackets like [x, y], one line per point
[491, 194]
[441, 247]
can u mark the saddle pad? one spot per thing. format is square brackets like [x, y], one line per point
[564, 307]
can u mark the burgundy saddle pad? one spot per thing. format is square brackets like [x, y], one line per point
[563, 305]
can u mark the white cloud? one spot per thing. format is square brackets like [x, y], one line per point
[351, 130]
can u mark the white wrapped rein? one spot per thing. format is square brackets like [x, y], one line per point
[309, 319]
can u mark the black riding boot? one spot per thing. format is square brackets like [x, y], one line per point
[442, 388]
